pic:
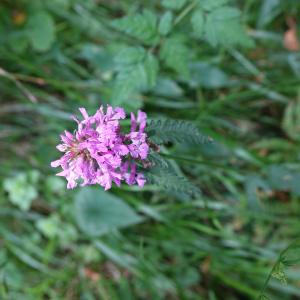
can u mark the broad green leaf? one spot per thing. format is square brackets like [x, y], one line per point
[173, 4]
[98, 212]
[223, 26]
[219, 24]
[41, 31]
[142, 26]
[165, 23]
[175, 55]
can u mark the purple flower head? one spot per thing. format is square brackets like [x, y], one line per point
[138, 147]
[98, 153]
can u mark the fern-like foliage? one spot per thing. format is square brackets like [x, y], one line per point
[168, 180]
[164, 131]
[157, 160]
[164, 174]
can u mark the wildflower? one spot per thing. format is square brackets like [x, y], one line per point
[99, 153]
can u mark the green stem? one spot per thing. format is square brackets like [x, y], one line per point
[195, 161]
[185, 12]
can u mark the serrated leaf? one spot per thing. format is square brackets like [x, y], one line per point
[98, 212]
[128, 81]
[151, 69]
[174, 4]
[212, 4]
[41, 31]
[164, 131]
[130, 55]
[219, 24]
[175, 55]
[223, 26]
[142, 26]
[137, 71]
[225, 13]
[165, 23]
[198, 22]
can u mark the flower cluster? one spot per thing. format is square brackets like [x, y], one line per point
[99, 153]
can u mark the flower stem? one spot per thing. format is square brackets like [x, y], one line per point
[185, 12]
[194, 161]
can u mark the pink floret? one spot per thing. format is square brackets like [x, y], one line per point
[98, 153]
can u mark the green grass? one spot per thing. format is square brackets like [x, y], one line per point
[226, 243]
